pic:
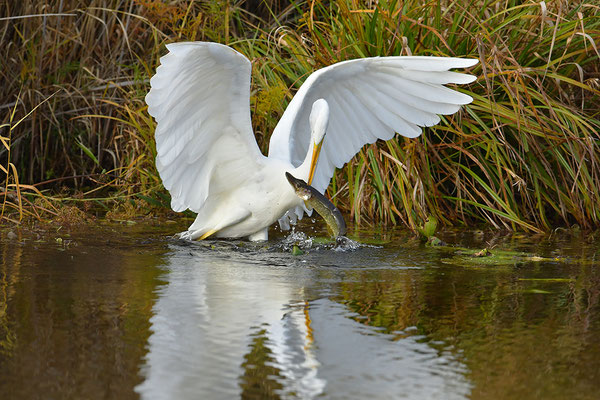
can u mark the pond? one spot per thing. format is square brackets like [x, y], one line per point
[126, 311]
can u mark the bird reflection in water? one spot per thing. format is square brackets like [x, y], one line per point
[233, 325]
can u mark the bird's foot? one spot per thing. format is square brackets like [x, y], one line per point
[187, 235]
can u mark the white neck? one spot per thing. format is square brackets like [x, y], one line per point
[303, 169]
[318, 120]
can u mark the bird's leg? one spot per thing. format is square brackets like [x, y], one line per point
[207, 234]
[260, 235]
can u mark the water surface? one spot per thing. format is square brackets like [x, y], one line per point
[127, 312]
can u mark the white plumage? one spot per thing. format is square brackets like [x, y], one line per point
[208, 158]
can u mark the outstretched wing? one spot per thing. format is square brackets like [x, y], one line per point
[369, 99]
[200, 99]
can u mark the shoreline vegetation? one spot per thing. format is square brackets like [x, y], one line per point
[77, 141]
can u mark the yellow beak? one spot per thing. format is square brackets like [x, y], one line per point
[313, 161]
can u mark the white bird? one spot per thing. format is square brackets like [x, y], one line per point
[207, 155]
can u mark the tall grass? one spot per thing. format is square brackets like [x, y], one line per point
[524, 155]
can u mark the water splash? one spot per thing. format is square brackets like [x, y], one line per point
[300, 239]
[306, 242]
[345, 244]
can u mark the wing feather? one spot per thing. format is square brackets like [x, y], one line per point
[369, 98]
[425, 63]
[200, 99]
[376, 104]
[436, 77]
[418, 115]
[338, 112]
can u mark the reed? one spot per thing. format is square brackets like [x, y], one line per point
[524, 155]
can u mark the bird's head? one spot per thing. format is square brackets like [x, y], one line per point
[319, 118]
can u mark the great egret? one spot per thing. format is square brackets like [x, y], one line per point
[209, 160]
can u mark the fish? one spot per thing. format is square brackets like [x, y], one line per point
[316, 201]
